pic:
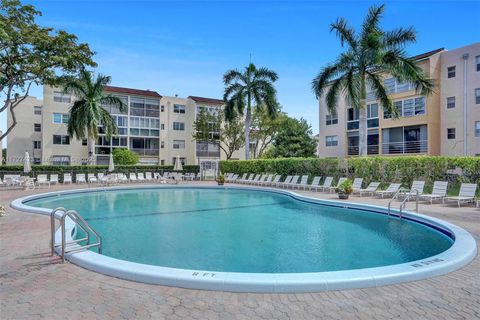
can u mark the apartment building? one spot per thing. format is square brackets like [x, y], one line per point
[158, 128]
[446, 122]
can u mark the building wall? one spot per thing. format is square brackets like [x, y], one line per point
[457, 87]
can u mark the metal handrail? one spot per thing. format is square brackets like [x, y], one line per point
[403, 204]
[394, 197]
[74, 244]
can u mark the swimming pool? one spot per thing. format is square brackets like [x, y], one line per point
[217, 237]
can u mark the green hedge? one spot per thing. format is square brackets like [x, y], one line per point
[403, 169]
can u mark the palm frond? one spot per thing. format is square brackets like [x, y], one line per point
[400, 37]
[232, 75]
[344, 32]
[265, 74]
[113, 101]
[331, 98]
[381, 93]
[372, 20]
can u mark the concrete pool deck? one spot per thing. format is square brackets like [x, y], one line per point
[35, 285]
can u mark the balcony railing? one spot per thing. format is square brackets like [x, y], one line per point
[420, 146]
[209, 153]
[371, 149]
[145, 152]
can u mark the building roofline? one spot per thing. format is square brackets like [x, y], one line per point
[427, 54]
[206, 100]
[137, 92]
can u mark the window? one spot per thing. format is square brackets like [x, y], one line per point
[389, 85]
[182, 161]
[178, 144]
[178, 108]
[162, 162]
[59, 139]
[84, 142]
[162, 126]
[37, 144]
[331, 119]
[451, 133]
[477, 63]
[36, 161]
[477, 129]
[60, 118]
[162, 108]
[37, 110]
[352, 119]
[61, 97]
[60, 160]
[407, 108]
[37, 127]
[331, 141]
[451, 71]
[372, 115]
[179, 126]
[450, 102]
[477, 96]
[393, 85]
[419, 105]
[162, 144]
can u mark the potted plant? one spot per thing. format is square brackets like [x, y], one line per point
[344, 189]
[221, 179]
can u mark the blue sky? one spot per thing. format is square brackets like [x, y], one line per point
[184, 47]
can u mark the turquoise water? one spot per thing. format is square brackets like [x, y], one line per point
[245, 231]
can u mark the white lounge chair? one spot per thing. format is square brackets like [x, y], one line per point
[250, 177]
[417, 186]
[80, 178]
[262, 179]
[315, 183]
[438, 193]
[466, 194]
[122, 178]
[29, 184]
[287, 180]
[369, 190]
[67, 178]
[92, 178]
[42, 180]
[102, 178]
[242, 178]
[302, 184]
[255, 180]
[54, 178]
[390, 191]
[148, 176]
[132, 177]
[232, 178]
[274, 181]
[327, 184]
[339, 182]
[357, 183]
[140, 177]
[266, 179]
[293, 182]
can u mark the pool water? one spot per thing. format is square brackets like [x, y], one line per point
[235, 230]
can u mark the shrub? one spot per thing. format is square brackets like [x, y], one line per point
[123, 156]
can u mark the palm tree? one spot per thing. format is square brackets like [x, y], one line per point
[245, 89]
[370, 53]
[86, 113]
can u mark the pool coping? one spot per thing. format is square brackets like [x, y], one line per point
[462, 251]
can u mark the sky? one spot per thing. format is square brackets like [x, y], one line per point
[185, 47]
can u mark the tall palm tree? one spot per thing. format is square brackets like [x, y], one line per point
[243, 90]
[370, 53]
[86, 113]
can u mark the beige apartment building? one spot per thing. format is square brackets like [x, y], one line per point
[446, 122]
[158, 128]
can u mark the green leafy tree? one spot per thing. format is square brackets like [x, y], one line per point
[264, 129]
[293, 139]
[232, 137]
[123, 156]
[370, 53]
[33, 55]
[86, 113]
[243, 90]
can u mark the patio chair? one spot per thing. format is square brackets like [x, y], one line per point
[80, 178]
[369, 190]
[292, 182]
[286, 181]
[262, 179]
[339, 182]
[327, 184]
[256, 179]
[148, 176]
[315, 183]
[357, 183]
[233, 178]
[42, 180]
[67, 178]
[416, 185]
[102, 178]
[122, 178]
[54, 178]
[438, 193]
[302, 184]
[242, 178]
[267, 178]
[466, 194]
[140, 177]
[274, 182]
[390, 191]
[132, 177]
[29, 184]
[92, 178]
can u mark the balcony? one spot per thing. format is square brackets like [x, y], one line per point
[146, 152]
[205, 149]
[371, 149]
[420, 146]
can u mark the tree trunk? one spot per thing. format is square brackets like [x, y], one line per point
[362, 130]
[91, 151]
[247, 134]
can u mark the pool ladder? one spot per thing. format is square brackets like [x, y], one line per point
[72, 245]
[403, 204]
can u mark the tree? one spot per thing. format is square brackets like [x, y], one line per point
[123, 156]
[293, 139]
[246, 89]
[33, 55]
[86, 113]
[264, 129]
[211, 129]
[370, 53]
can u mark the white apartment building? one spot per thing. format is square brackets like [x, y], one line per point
[158, 128]
[446, 122]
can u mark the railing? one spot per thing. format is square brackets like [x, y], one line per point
[403, 204]
[72, 245]
[371, 149]
[420, 146]
[206, 153]
[146, 152]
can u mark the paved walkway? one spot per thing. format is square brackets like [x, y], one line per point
[34, 285]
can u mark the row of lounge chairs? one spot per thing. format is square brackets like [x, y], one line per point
[439, 192]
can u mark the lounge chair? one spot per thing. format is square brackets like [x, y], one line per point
[140, 177]
[466, 194]
[438, 193]
[265, 180]
[287, 180]
[327, 184]
[243, 178]
[42, 179]
[339, 182]
[67, 178]
[233, 179]
[390, 191]
[148, 176]
[132, 177]
[80, 178]
[293, 182]
[249, 177]
[314, 184]
[54, 178]
[122, 178]
[29, 184]
[256, 179]
[369, 190]
[302, 184]
[102, 178]
[417, 186]
[357, 183]
[274, 181]
[92, 178]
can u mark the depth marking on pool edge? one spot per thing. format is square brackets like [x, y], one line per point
[204, 274]
[426, 263]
